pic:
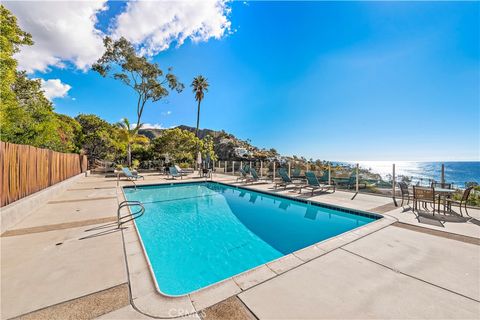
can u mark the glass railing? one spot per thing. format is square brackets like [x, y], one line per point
[376, 177]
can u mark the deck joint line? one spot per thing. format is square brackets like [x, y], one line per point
[55, 227]
[408, 275]
[81, 199]
[245, 305]
[438, 233]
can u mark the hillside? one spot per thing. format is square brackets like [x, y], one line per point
[224, 143]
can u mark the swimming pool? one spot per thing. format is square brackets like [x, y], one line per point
[197, 234]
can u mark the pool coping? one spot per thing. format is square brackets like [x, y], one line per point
[158, 304]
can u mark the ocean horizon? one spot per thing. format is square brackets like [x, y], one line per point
[456, 172]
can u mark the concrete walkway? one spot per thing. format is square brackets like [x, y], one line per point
[60, 263]
[391, 274]
[45, 262]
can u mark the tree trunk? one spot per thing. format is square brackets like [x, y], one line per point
[198, 119]
[129, 155]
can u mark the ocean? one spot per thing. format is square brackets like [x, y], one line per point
[458, 172]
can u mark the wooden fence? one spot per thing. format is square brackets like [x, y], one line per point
[26, 169]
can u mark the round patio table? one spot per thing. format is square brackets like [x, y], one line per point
[444, 194]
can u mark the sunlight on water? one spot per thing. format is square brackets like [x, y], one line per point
[455, 172]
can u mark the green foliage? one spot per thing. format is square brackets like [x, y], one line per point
[473, 200]
[69, 131]
[26, 115]
[207, 148]
[184, 165]
[200, 86]
[99, 139]
[177, 144]
[121, 62]
[11, 38]
[182, 145]
[31, 120]
[130, 137]
[135, 164]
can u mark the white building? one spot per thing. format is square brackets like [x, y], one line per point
[242, 152]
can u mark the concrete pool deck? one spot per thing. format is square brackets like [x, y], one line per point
[52, 267]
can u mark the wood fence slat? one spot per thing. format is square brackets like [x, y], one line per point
[26, 169]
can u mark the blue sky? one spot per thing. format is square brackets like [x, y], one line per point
[328, 80]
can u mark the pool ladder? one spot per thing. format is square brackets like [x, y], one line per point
[132, 215]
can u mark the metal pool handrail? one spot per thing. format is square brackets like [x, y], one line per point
[132, 215]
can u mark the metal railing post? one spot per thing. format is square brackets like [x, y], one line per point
[225, 169]
[329, 174]
[393, 184]
[261, 168]
[241, 164]
[356, 179]
[443, 174]
[289, 170]
[273, 177]
[233, 167]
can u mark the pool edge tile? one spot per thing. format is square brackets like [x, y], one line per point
[285, 263]
[213, 294]
[253, 277]
[157, 305]
[353, 235]
[309, 253]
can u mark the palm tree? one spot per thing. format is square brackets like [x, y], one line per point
[130, 136]
[199, 85]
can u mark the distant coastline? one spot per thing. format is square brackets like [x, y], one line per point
[456, 172]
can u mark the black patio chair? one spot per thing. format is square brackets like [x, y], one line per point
[405, 193]
[424, 196]
[461, 202]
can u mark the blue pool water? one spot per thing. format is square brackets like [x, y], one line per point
[196, 234]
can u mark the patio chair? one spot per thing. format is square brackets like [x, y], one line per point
[243, 175]
[254, 176]
[424, 195]
[314, 184]
[350, 182]
[323, 179]
[285, 180]
[130, 176]
[461, 202]
[296, 173]
[405, 193]
[173, 172]
[183, 171]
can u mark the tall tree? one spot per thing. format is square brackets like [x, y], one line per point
[11, 38]
[98, 138]
[26, 115]
[150, 83]
[178, 144]
[200, 86]
[130, 136]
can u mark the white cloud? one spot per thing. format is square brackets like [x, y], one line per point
[63, 31]
[152, 126]
[154, 25]
[65, 35]
[166, 113]
[55, 88]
